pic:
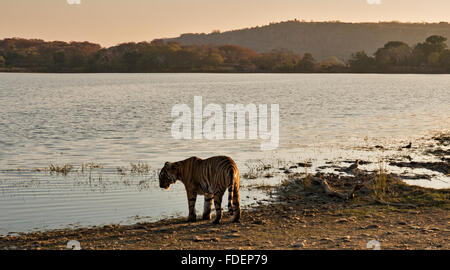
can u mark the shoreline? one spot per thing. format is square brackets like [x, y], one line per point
[225, 72]
[303, 216]
[324, 210]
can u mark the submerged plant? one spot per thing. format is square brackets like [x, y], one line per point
[90, 166]
[122, 170]
[65, 169]
[139, 168]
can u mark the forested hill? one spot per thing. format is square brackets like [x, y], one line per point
[321, 39]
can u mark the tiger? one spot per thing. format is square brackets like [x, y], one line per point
[209, 177]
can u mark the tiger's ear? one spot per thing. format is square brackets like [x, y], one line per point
[175, 166]
[166, 164]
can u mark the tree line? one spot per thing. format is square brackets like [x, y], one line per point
[430, 56]
[32, 55]
[321, 39]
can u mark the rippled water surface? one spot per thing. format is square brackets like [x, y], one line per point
[115, 119]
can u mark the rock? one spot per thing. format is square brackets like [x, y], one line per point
[300, 244]
[234, 235]
[346, 238]
[326, 239]
[341, 220]
[301, 164]
[372, 226]
[197, 239]
[14, 234]
[259, 222]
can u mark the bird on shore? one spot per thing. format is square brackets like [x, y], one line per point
[352, 168]
[408, 146]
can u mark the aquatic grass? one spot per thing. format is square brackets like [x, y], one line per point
[252, 172]
[122, 170]
[380, 182]
[64, 169]
[139, 168]
[261, 186]
[90, 166]
[307, 179]
[257, 169]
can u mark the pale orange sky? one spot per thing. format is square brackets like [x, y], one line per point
[110, 22]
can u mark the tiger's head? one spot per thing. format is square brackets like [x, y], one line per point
[168, 175]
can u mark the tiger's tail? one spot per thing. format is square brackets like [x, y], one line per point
[230, 190]
[233, 194]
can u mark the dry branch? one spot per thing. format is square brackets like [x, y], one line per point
[329, 191]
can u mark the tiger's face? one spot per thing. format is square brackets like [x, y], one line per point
[168, 175]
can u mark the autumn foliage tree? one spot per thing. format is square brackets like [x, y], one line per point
[36, 55]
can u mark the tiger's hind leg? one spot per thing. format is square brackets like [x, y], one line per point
[218, 205]
[207, 206]
[237, 208]
[230, 199]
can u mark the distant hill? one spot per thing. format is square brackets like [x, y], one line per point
[321, 39]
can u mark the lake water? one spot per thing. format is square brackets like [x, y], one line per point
[115, 119]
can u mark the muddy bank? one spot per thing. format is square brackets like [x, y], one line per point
[302, 216]
[342, 209]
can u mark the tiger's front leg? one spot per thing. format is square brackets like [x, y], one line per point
[207, 206]
[192, 197]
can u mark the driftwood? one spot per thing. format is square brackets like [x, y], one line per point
[350, 195]
[328, 190]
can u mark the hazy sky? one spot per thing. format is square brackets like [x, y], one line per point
[109, 22]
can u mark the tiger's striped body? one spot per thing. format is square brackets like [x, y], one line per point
[209, 177]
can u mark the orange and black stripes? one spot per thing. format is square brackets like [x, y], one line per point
[209, 177]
